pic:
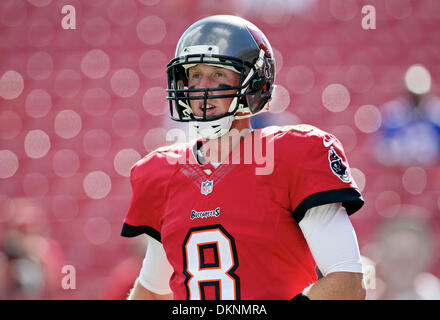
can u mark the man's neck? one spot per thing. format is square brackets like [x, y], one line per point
[217, 150]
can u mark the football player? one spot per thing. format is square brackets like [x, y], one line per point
[217, 227]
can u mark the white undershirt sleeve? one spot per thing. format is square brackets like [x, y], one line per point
[331, 239]
[156, 271]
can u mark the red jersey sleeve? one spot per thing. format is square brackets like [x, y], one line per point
[149, 178]
[321, 175]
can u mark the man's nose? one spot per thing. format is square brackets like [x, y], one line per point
[205, 82]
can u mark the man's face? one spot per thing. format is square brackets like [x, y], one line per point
[204, 76]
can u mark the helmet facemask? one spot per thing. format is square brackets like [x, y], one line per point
[180, 95]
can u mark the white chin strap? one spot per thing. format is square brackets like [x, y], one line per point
[211, 129]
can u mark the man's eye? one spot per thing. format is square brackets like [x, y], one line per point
[219, 74]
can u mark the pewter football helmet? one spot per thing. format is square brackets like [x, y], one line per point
[229, 42]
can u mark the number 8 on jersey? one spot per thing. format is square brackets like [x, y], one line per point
[209, 261]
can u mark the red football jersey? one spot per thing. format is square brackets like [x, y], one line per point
[234, 234]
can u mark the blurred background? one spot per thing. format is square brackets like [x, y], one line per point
[79, 106]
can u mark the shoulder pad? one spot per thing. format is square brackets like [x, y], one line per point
[303, 128]
[162, 149]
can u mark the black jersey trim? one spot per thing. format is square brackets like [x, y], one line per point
[351, 200]
[133, 231]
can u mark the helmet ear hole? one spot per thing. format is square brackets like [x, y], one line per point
[257, 84]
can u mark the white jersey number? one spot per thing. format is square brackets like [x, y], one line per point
[209, 262]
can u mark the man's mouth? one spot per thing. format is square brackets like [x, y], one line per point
[210, 110]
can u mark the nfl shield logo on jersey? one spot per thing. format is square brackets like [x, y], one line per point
[207, 187]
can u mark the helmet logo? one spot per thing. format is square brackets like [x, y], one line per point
[261, 41]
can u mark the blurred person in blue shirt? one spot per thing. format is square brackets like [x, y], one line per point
[410, 131]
